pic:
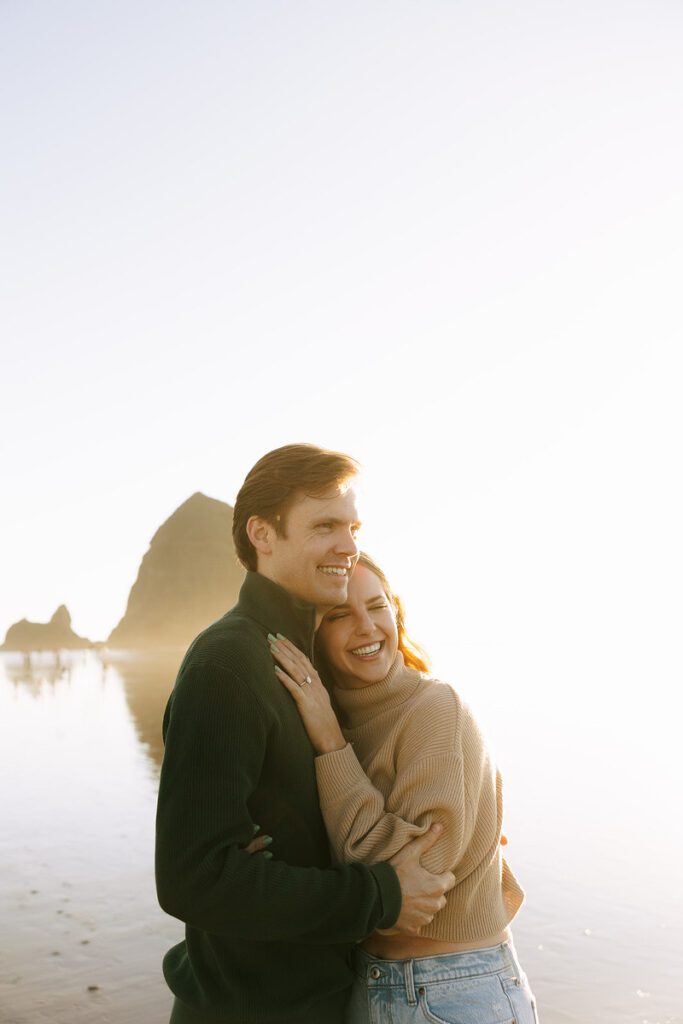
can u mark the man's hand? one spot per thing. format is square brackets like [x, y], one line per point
[423, 894]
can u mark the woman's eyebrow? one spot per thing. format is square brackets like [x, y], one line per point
[370, 600]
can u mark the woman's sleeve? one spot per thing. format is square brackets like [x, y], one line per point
[365, 826]
[440, 772]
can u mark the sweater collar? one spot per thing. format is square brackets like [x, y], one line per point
[277, 610]
[360, 705]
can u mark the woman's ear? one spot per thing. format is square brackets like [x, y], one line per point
[260, 533]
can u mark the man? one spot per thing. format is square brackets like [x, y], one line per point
[268, 938]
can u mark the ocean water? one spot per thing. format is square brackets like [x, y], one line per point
[593, 796]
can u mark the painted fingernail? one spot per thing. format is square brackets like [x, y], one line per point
[270, 636]
[267, 840]
[256, 828]
[281, 637]
[274, 647]
[268, 854]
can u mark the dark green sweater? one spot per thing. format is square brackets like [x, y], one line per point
[265, 940]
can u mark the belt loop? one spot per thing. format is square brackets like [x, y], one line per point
[410, 982]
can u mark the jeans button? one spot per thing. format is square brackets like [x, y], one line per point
[375, 973]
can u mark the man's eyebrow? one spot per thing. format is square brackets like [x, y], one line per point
[335, 521]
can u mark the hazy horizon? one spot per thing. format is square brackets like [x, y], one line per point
[443, 238]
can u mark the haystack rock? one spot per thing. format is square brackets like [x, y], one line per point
[54, 635]
[188, 578]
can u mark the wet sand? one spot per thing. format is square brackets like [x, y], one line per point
[600, 935]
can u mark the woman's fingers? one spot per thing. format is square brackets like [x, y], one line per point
[294, 688]
[297, 656]
[258, 844]
[298, 668]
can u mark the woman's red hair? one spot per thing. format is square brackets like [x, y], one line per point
[413, 655]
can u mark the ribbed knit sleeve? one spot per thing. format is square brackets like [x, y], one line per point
[215, 744]
[364, 825]
[416, 756]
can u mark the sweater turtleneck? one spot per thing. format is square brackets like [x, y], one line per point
[414, 756]
[360, 704]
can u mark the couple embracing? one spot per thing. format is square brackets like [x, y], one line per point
[329, 819]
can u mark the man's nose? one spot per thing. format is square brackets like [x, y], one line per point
[347, 544]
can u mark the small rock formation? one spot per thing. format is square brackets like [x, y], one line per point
[188, 578]
[44, 636]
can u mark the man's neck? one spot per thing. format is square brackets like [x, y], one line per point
[318, 611]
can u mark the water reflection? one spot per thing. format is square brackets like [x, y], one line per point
[32, 670]
[80, 738]
[147, 679]
[84, 936]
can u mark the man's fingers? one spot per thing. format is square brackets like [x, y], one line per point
[421, 844]
[447, 880]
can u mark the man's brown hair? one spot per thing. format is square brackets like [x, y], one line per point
[272, 486]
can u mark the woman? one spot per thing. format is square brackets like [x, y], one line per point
[409, 755]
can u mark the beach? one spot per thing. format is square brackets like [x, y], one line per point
[600, 934]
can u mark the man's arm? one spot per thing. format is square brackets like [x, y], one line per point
[216, 737]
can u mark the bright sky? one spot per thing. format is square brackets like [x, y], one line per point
[444, 237]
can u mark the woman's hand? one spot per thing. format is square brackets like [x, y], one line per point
[296, 672]
[258, 844]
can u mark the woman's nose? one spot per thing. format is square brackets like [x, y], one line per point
[364, 624]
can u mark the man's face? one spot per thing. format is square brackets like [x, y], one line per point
[315, 557]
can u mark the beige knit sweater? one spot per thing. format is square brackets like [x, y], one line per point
[415, 756]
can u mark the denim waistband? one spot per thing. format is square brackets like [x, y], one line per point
[444, 967]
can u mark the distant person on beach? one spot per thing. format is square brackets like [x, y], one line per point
[269, 933]
[410, 755]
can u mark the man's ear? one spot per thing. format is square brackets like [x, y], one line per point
[260, 532]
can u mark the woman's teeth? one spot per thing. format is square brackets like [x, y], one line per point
[370, 649]
[333, 570]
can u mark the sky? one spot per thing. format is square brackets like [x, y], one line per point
[443, 237]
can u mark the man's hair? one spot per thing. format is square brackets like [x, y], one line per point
[277, 480]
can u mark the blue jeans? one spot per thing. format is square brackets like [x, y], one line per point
[483, 986]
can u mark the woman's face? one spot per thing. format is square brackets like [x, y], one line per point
[360, 638]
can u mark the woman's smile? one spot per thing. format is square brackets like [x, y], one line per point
[360, 638]
[368, 651]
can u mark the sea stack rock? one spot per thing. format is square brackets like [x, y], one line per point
[54, 635]
[188, 578]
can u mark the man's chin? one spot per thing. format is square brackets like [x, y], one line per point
[331, 593]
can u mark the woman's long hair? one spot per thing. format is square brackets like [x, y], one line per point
[413, 655]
